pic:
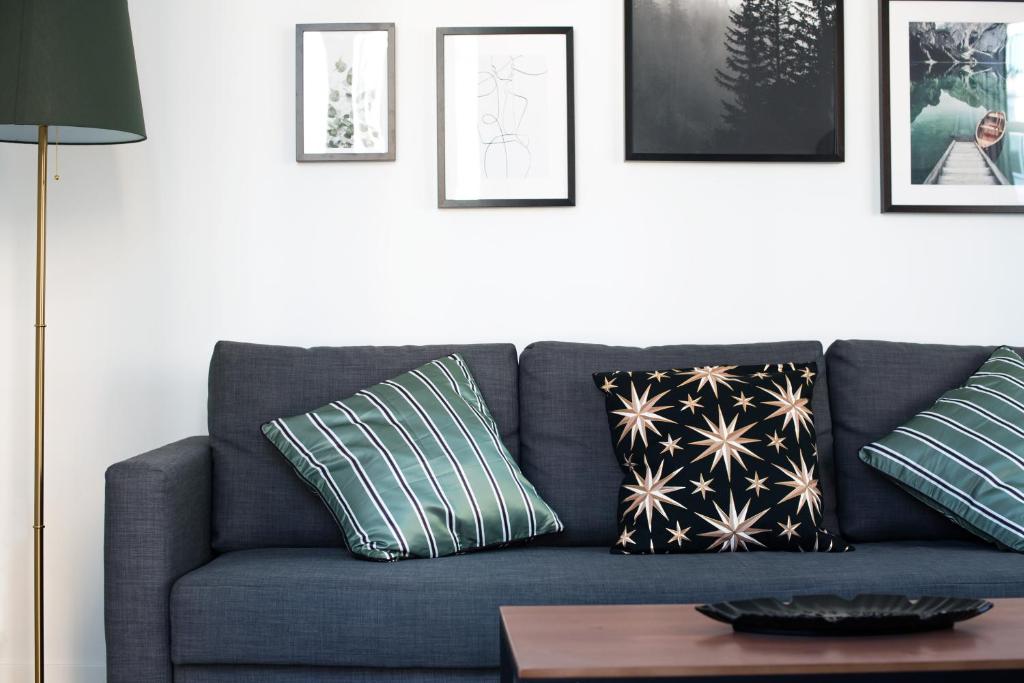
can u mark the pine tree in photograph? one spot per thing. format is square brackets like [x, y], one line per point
[747, 67]
[778, 71]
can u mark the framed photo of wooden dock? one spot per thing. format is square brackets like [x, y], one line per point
[952, 99]
[734, 80]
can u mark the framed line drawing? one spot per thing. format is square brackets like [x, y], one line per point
[345, 92]
[505, 117]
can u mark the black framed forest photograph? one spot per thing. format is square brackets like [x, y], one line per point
[734, 80]
[952, 99]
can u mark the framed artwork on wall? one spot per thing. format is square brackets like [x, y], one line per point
[734, 80]
[505, 120]
[345, 92]
[952, 98]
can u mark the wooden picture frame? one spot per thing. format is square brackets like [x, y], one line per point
[488, 131]
[353, 132]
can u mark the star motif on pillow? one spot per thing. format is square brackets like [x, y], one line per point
[713, 376]
[650, 493]
[790, 405]
[733, 530]
[726, 442]
[640, 414]
[804, 486]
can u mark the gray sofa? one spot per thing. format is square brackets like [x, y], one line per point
[222, 566]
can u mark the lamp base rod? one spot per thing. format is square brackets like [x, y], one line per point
[40, 377]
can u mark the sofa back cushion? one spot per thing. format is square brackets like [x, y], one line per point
[875, 387]
[257, 499]
[566, 446]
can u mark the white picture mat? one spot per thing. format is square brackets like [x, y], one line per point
[545, 124]
[367, 51]
[901, 15]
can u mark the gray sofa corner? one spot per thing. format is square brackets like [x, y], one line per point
[157, 528]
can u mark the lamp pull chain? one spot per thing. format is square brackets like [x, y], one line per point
[56, 155]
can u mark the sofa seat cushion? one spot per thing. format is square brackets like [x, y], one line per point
[260, 503]
[322, 607]
[875, 387]
[566, 447]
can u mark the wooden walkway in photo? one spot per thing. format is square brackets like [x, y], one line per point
[964, 163]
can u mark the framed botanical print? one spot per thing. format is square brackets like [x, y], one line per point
[734, 80]
[345, 92]
[952, 98]
[505, 121]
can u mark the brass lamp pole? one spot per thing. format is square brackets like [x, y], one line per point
[67, 66]
[37, 523]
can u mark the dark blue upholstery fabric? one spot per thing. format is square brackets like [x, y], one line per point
[308, 674]
[875, 387]
[157, 528]
[320, 606]
[260, 502]
[567, 448]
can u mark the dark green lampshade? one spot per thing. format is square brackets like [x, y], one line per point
[68, 64]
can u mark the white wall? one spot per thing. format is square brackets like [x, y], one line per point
[210, 230]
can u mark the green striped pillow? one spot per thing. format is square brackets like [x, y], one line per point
[415, 467]
[965, 455]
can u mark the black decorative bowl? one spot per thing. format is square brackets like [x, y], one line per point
[831, 615]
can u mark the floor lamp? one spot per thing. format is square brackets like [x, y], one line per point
[67, 75]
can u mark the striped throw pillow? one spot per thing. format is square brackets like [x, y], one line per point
[965, 455]
[415, 467]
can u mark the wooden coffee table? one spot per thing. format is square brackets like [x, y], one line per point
[674, 642]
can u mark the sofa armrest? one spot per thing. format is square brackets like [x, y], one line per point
[157, 528]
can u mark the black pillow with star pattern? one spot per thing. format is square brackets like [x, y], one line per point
[717, 459]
